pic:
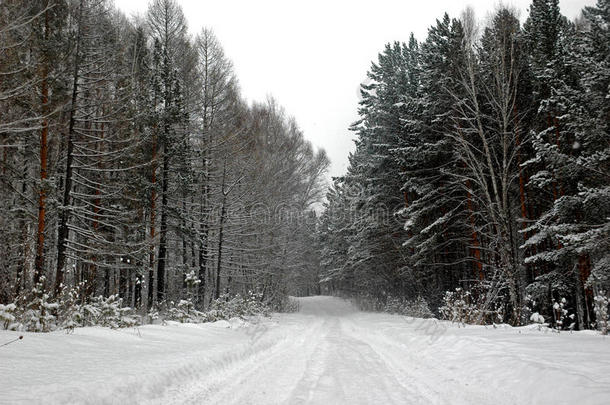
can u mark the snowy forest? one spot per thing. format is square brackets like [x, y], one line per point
[133, 172]
[480, 182]
[136, 179]
[168, 238]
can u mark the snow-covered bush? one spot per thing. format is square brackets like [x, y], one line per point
[393, 305]
[192, 281]
[184, 312]
[70, 312]
[7, 317]
[558, 318]
[456, 306]
[563, 320]
[465, 307]
[366, 302]
[110, 312]
[601, 312]
[36, 312]
[417, 308]
[537, 318]
[285, 304]
[39, 312]
[227, 307]
[154, 313]
[99, 311]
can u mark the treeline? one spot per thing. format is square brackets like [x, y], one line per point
[131, 166]
[482, 163]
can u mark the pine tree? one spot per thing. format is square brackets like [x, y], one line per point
[168, 28]
[572, 233]
[434, 223]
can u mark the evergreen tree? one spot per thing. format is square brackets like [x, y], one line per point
[572, 234]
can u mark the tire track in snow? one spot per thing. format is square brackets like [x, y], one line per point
[258, 376]
[346, 370]
[438, 384]
[316, 361]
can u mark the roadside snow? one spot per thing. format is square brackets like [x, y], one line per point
[327, 353]
[101, 365]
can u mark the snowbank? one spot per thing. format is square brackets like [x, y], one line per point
[102, 365]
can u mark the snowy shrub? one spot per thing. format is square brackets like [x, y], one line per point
[184, 312]
[70, 312]
[227, 307]
[466, 307]
[35, 312]
[254, 304]
[561, 317]
[99, 311]
[601, 312]
[39, 313]
[537, 318]
[110, 312]
[285, 304]
[39, 316]
[192, 281]
[367, 302]
[455, 306]
[393, 305]
[224, 308]
[7, 317]
[153, 313]
[417, 308]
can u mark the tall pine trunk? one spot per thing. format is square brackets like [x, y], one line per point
[62, 233]
[163, 226]
[204, 235]
[153, 208]
[42, 193]
[223, 214]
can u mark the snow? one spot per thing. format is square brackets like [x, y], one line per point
[328, 353]
[537, 318]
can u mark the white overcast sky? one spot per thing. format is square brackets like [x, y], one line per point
[312, 55]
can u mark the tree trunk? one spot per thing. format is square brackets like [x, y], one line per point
[583, 295]
[22, 264]
[220, 236]
[163, 227]
[184, 241]
[204, 233]
[42, 192]
[223, 213]
[153, 198]
[62, 233]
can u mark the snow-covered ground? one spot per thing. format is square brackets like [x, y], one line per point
[328, 353]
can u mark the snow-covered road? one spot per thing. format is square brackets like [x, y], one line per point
[328, 353]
